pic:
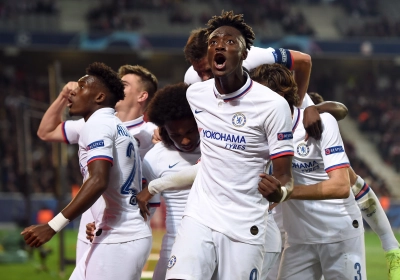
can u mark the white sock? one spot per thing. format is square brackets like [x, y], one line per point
[373, 214]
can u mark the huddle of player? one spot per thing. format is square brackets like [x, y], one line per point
[258, 152]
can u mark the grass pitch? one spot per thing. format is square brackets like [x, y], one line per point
[32, 270]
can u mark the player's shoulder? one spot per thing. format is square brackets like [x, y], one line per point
[200, 87]
[266, 93]
[327, 118]
[191, 76]
[156, 150]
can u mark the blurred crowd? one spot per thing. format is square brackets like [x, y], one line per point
[377, 111]
[18, 90]
[11, 9]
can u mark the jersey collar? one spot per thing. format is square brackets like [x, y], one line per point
[134, 123]
[106, 111]
[296, 118]
[236, 94]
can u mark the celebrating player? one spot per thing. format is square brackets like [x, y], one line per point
[241, 128]
[323, 223]
[110, 163]
[178, 150]
[140, 86]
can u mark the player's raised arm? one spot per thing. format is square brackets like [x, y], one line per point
[50, 128]
[302, 71]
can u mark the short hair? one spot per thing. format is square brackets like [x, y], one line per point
[236, 21]
[316, 97]
[169, 104]
[148, 79]
[196, 45]
[109, 79]
[279, 79]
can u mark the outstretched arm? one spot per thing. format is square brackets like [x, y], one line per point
[50, 128]
[90, 191]
[337, 186]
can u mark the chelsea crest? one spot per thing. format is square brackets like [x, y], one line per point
[303, 149]
[238, 120]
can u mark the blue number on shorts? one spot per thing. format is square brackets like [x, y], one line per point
[253, 274]
[126, 187]
[357, 266]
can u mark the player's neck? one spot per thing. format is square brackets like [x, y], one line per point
[130, 115]
[230, 83]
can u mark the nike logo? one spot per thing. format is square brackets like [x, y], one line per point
[196, 111]
[170, 166]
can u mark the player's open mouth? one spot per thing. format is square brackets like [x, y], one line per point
[69, 104]
[219, 61]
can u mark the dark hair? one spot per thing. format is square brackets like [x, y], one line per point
[279, 79]
[196, 45]
[316, 97]
[169, 104]
[236, 21]
[148, 79]
[109, 78]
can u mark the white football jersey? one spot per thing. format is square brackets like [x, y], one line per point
[307, 101]
[239, 133]
[104, 137]
[255, 57]
[161, 161]
[319, 221]
[141, 130]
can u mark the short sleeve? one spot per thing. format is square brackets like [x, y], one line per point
[191, 76]
[278, 127]
[332, 149]
[71, 130]
[98, 140]
[307, 101]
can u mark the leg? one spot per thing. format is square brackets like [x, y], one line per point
[270, 263]
[193, 253]
[344, 260]
[237, 260]
[300, 261]
[122, 261]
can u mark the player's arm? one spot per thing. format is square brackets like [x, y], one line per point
[177, 181]
[301, 65]
[312, 119]
[278, 187]
[337, 186]
[50, 128]
[90, 191]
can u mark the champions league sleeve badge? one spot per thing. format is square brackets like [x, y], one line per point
[303, 150]
[238, 120]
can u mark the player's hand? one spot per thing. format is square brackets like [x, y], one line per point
[37, 235]
[70, 86]
[312, 123]
[90, 231]
[270, 188]
[156, 136]
[142, 199]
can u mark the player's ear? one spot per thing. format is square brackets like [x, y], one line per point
[100, 97]
[143, 96]
[244, 54]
